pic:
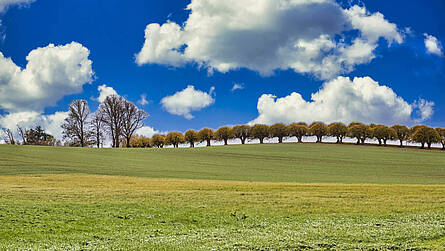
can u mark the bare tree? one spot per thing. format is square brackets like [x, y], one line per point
[112, 116]
[96, 124]
[132, 120]
[9, 137]
[22, 132]
[75, 126]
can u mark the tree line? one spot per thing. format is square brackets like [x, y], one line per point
[119, 119]
[422, 134]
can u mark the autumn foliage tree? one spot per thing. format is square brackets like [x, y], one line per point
[259, 131]
[158, 140]
[138, 141]
[174, 139]
[359, 131]
[241, 132]
[298, 130]
[402, 133]
[191, 136]
[279, 130]
[338, 130]
[318, 129]
[383, 133]
[426, 135]
[206, 134]
[441, 132]
[223, 133]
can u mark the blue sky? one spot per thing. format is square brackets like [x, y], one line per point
[113, 32]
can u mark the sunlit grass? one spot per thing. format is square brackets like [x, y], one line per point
[257, 197]
[75, 211]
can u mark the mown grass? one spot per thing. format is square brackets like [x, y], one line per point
[304, 163]
[259, 197]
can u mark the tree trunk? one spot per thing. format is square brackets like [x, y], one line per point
[384, 142]
[429, 145]
[128, 142]
[280, 139]
[261, 140]
[443, 145]
[82, 143]
[300, 140]
[401, 143]
[338, 140]
[380, 142]
[192, 144]
[225, 142]
[208, 142]
[423, 145]
[358, 141]
[243, 141]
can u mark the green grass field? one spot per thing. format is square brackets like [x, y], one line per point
[253, 197]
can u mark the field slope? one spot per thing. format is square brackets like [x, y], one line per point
[326, 163]
[254, 197]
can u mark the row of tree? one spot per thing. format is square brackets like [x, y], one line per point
[119, 119]
[424, 135]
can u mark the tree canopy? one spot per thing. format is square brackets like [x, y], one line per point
[279, 130]
[319, 130]
[206, 134]
[259, 131]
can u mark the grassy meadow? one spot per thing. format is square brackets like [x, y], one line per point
[252, 197]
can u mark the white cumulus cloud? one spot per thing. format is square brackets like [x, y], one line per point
[343, 100]
[307, 36]
[51, 123]
[433, 45]
[148, 131]
[184, 102]
[104, 92]
[51, 73]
